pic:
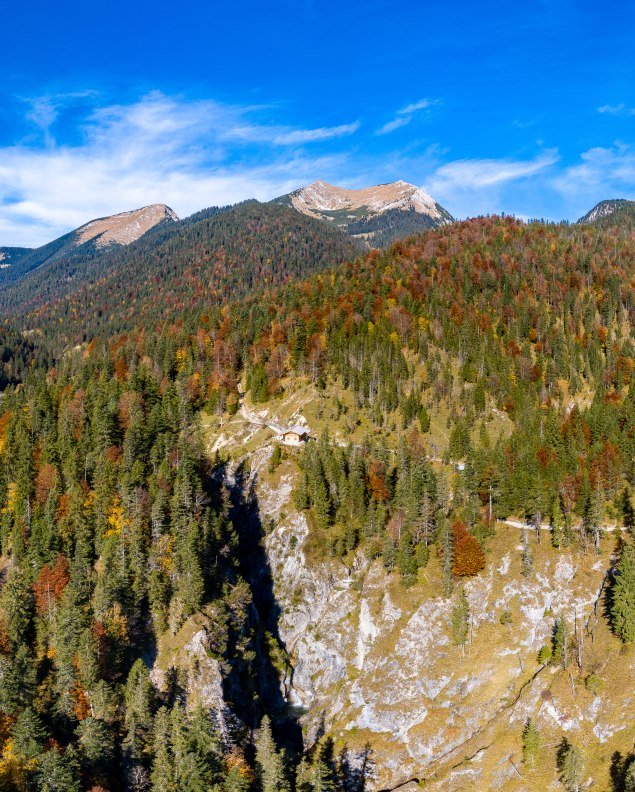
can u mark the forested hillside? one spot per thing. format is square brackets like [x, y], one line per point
[186, 268]
[488, 366]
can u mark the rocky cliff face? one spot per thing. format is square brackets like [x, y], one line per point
[374, 663]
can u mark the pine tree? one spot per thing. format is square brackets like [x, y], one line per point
[531, 742]
[623, 599]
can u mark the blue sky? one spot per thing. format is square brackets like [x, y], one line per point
[525, 108]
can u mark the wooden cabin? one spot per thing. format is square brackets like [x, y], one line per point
[294, 435]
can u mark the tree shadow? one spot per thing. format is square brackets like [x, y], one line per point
[620, 766]
[258, 667]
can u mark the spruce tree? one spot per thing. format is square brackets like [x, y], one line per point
[557, 523]
[531, 742]
[461, 620]
[623, 599]
[571, 766]
[28, 735]
[629, 777]
[162, 775]
[270, 769]
[447, 546]
[561, 641]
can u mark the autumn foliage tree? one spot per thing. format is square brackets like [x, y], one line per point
[50, 584]
[468, 556]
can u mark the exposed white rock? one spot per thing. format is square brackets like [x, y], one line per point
[319, 197]
[124, 228]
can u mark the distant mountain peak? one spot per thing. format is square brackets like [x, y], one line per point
[113, 231]
[606, 209]
[375, 215]
[125, 227]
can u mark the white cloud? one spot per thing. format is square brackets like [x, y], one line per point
[397, 122]
[471, 187]
[603, 172]
[477, 173]
[422, 104]
[314, 135]
[405, 115]
[159, 149]
[617, 110]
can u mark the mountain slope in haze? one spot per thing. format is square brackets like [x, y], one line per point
[374, 215]
[612, 212]
[215, 256]
[96, 235]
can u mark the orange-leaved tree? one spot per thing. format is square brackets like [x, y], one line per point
[468, 556]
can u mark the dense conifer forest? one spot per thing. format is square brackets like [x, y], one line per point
[117, 525]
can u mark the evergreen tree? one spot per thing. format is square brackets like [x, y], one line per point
[406, 558]
[527, 557]
[561, 643]
[571, 766]
[623, 596]
[531, 742]
[58, 772]
[28, 735]
[557, 523]
[447, 560]
[96, 743]
[461, 620]
[162, 774]
[629, 777]
[270, 769]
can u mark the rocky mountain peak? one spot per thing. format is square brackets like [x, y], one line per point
[125, 227]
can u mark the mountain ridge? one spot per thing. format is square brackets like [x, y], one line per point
[375, 215]
[120, 229]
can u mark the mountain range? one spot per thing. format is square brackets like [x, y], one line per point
[371, 217]
[216, 254]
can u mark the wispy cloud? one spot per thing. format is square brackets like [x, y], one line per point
[476, 173]
[470, 187]
[44, 110]
[405, 115]
[316, 135]
[608, 172]
[188, 154]
[617, 110]
[601, 172]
